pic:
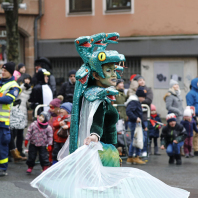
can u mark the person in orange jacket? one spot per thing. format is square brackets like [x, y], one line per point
[54, 111]
[65, 111]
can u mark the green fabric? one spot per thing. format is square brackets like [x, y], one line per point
[180, 138]
[109, 156]
[104, 123]
[121, 99]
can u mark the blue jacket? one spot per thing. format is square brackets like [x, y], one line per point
[192, 96]
[189, 126]
[7, 99]
[134, 109]
[153, 130]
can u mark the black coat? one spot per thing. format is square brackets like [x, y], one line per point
[51, 83]
[67, 91]
[134, 110]
[169, 134]
[36, 96]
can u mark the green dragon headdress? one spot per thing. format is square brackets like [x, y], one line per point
[93, 61]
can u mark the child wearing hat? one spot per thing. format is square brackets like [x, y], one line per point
[154, 129]
[40, 136]
[54, 111]
[63, 120]
[172, 138]
[134, 113]
[189, 124]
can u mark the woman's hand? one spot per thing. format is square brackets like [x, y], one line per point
[91, 138]
[162, 147]
[65, 127]
[138, 120]
[62, 123]
[175, 141]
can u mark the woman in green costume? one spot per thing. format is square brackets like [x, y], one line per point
[105, 118]
[92, 168]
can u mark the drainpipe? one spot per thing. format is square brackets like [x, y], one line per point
[35, 30]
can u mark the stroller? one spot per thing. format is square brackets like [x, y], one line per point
[124, 140]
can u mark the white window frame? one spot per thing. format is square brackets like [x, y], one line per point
[119, 11]
[77, 14]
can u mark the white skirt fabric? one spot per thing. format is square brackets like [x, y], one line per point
[82, 175]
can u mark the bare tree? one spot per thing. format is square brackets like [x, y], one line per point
[11, 16]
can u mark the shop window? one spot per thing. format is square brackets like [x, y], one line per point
[80, 6]
[118, 4]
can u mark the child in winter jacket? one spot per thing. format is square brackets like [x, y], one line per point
[134, 113]
[189, 124]
[154, 129]
[40, 136]
[172, 139]
[54, 111]
[63, 120]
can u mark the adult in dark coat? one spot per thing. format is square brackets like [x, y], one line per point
[148, 100]
[37, 96]
[43, 62]
[67, 89]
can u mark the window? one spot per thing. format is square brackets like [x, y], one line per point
[118, 4]
[80, 6]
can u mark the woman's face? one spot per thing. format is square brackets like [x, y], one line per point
[176, 87]
[110, 75]
[46, 78]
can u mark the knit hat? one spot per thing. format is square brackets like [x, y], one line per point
[171, 117]
[188, 111]
[173, 82]
[153, 108]
[10, 67]
[141, 92]
[46, 116]
[25, 76]
[57, 101]
[138, 77]
[67, 106]
[133, 76]
[20, 65]
[119, 81]
[71, 72]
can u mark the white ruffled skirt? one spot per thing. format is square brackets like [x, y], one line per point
[82, 175]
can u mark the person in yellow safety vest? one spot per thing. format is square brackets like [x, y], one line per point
[9, 90]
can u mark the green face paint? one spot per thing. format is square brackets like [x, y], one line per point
[110, 75]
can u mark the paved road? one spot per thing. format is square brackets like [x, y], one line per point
[16, 184]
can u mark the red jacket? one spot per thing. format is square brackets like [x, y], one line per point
[57, 127]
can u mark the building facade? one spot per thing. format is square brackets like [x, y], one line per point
[26, 32]
[158, 38]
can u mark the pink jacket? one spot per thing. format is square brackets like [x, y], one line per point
[39, 136]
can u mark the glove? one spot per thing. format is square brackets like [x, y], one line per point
[158, 126]
[49, 148]
[27, 86]
[26, 143]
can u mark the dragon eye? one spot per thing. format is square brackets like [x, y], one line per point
[101, 56]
